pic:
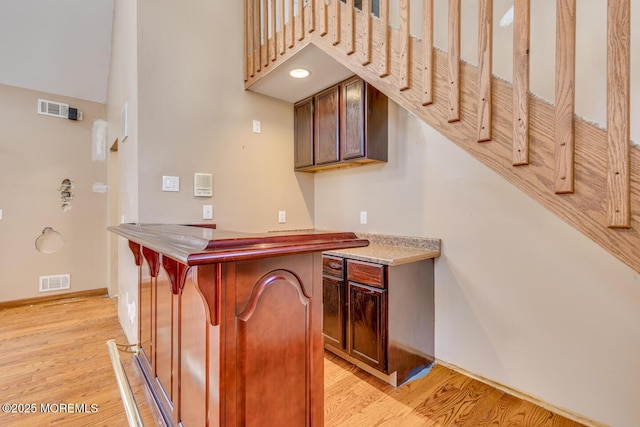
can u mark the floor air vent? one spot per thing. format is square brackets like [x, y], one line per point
[54, 283]
[51, 108]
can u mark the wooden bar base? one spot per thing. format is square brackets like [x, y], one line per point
[231, 324]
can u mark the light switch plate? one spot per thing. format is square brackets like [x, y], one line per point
[282, 217]
[207, 211]
[0, 214]
[170, 183]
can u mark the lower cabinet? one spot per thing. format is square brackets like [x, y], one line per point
[367, 325]
[379, 316]
[333, 313]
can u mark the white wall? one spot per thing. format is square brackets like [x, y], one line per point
[123, 88]
[195, 116]
[36, 153]
[521, 298]
[179, 65]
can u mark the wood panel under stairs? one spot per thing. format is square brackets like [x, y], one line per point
[587, 176]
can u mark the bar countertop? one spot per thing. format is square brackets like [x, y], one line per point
[392, 250]
[195, 245]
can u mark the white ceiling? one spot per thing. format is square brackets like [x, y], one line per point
[325, 71]
[62, 47]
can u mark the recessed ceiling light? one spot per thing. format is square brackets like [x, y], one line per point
[299, 73]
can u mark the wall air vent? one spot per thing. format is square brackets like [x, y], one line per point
[202, 185]
[55, 283]
[51, 108]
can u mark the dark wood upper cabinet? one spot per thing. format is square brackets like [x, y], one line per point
[327, 129]
[303, 123]
[353, 119]
[349, 127]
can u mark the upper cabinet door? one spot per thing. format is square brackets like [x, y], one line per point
[303, 123]
[327, 130]
[353, 118]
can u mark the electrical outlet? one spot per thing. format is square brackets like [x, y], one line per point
[257, 126]
[0, 214]
[282, 217]
[363, 217]
[207, 211]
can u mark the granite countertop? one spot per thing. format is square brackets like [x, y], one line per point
[391, 250]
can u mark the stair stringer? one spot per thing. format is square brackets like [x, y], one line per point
[585, 209]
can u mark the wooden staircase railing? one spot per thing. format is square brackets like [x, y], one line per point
[587, 176]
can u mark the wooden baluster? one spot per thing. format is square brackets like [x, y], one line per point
[618, 113]
[427, 52]
[454, 61]
[274, 37]
[405, 45]
[335, 19]
[300, 21]
[282, 38]
[257, 34]
[292, 33]
[322, 11]
[265, 32]
[384, 43]
[245, 42]
[365, 55]
[521, 82]
[292, 20]
[485, 55]
[565, 94]
[251, 35]
[349, 42]
[312, 15]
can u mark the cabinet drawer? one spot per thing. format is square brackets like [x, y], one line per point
[366, 273]
[333, 266]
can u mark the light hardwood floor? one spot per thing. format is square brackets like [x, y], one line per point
[55, 353]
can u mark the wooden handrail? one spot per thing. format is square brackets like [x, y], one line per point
[587, 176]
